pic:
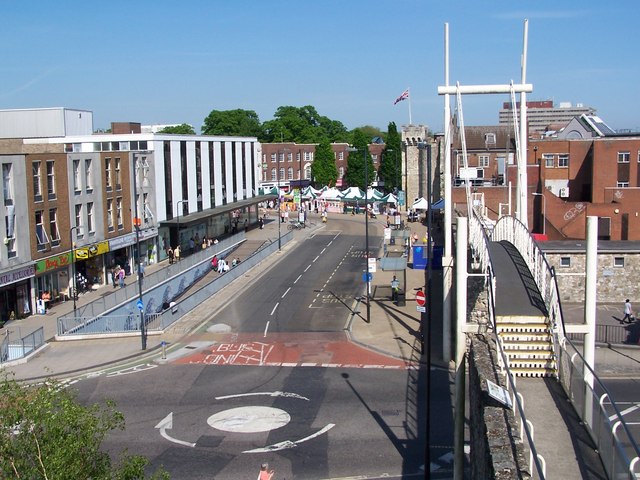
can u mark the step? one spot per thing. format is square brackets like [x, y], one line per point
[520, 319]
[522, 327]
[533, 354]
[532, 363]
[525, 337]
[529, 372]
[525, 346]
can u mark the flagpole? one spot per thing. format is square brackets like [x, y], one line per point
[408, 90]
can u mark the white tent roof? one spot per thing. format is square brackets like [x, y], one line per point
[331, 194]
[352, 193]
[390, 198]
[420, 204]
[374, 194]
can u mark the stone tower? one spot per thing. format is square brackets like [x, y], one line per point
[416, 146]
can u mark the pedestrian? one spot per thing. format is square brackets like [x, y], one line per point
[141, 270]
[204, 243]
[214, 263]
[246, 225]
[261, 222]
[265, 473]
[192, 246]
[627, 312]
[113, 277]
[395, 286]
[121, 278]
[176, 253]
[170, 255]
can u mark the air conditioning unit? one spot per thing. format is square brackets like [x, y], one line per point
[564, 192]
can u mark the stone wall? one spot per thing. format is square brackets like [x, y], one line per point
[496, 449]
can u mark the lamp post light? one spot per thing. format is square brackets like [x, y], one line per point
[178, 219]
[137, 257]
[74, 293]
[544, 211]
[279, 206]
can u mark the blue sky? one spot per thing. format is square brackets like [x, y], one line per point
[168, 62]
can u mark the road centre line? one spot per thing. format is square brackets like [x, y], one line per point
[314, 260]
[307, 268]
[285, 293]
[299, 277]
[323, 250]
[274, 308]
[266, 327]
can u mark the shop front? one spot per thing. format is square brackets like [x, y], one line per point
[90, 264]
[52, 279]
[15, 298]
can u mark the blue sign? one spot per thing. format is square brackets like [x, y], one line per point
[140, 305]
[367, 276]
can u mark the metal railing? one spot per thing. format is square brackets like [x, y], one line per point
[16, 349]
[592, 401]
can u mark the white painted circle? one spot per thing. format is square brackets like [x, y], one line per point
[249, 419]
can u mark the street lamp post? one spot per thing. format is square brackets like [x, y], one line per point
[279, 206]
[137, 257]
[178, 203]
[544, 211]
[74, 293]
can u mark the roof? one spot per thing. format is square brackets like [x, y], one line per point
[221, 210]
[604, 246]
[475, 138]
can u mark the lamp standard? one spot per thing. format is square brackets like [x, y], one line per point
[137, 258]
[544, 210]
[74, 293]
[366, 230]
[279, 206]
[178, 218]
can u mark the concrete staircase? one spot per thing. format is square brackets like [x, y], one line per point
[528, 344]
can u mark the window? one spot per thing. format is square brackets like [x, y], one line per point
[290, 173]
[107, 173]
[274, 177]
[341, 172]
[7, 183]
[490, 138]
[298, 156]
[124, 146]
[289, 157]
[548, 160]
[341, 156]
[51, 179]
[71, 147]
[307, 171]
[563, 160]
[273, 157]
[281, 174]
[623, 157]
[281, 157]
[76, 175]
[90, 228]
[79, 221]
[618, 262]
[147, 214]
[620, 184]
[118, 174]
[110, 214]
[119, 212]
[41, 234]
[53, 227]
[483, 160]
[565, 262]
[88, 183]
[37, 180]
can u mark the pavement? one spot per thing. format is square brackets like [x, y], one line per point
[392, 330]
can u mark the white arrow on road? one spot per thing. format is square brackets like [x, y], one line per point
[167, 424]
[288, 443]
[268, 394]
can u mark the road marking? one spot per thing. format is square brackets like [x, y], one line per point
[322, 251]
[288, 443]
[624, 412]
[299, 277]
[251, 419]
[266, 327]
[285, 293]
[274, 308]
[277, 393]
[167, 424]
[315, 259]
[307, 268]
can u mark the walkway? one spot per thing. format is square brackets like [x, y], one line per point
[559, 437]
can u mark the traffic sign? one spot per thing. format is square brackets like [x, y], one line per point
[140, 305]
[367, 276]
[421, 299]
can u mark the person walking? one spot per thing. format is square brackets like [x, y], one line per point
[176, 253]
[395, 287]
[121, 277]
[265, 473]
[114, 277]
[627, 312]
[170, 255]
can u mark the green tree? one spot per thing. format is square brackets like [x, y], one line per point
[241, 123]
[303, 125]
[391, 165]
[45, 433]
[184, 129]
[355, 174]
[323, 169]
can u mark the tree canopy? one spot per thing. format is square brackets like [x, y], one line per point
[46, 433]
[303, 125]
[183, 129]
[355, 174]
[238, 122]
[390, 170]
[323, 168]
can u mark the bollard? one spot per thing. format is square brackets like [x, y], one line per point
[164, 350]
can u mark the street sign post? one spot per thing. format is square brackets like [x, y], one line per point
[421, 300]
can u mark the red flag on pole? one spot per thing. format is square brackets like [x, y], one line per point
[403, 96]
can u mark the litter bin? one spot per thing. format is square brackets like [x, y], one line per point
[392, 240]
[402, 298]
[419, 257]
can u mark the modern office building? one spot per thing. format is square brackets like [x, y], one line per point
[542, 115]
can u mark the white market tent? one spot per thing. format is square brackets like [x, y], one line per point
[352, 193]
[390, 198]
[420, 204]
[374, 195]
[331, 194]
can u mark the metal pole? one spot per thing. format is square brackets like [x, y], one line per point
[279, 213]
[427, 469]
[73, 268]
[136, 224]
[366, 229]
